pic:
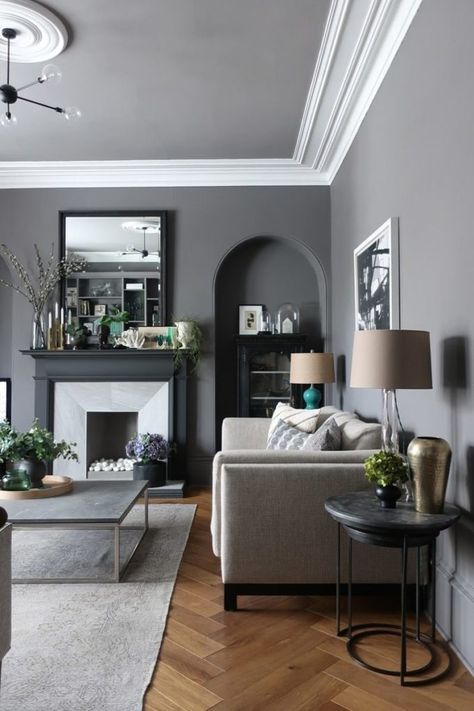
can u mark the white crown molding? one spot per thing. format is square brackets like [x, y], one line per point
[156, 173]
[324, 62]
[359, 43]
[41, 34]
[367, 35]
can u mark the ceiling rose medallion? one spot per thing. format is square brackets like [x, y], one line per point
[30, 33]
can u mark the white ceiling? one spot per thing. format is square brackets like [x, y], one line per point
[207, 92]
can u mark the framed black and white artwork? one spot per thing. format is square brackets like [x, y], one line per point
[376, 279]
[250, 316]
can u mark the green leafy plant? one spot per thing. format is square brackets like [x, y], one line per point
[193, 345]
[8, 438]
[38, 443]
[115, 316]
[385, 468]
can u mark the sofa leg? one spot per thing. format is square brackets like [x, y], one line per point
[230, 597]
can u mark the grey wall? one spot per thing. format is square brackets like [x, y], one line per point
[205, 223]
[412, 158]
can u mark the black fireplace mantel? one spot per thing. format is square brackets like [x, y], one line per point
[91, 365]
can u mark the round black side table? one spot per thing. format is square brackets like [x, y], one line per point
[363, 519]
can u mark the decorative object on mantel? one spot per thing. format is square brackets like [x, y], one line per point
[429, 459]
[52, 486]
[188, 339]
[309, 369]
[37, 26]
[386, 470]
[31, 450]
[160, 337]
[150, 451]
[391, 360]
[78, 335]
[131, 338]
[3, 517]
[115, 320]
[38, 288]
[287, 319]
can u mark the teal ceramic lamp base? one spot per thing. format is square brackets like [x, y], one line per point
[312, 398]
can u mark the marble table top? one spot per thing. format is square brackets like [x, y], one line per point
[362, 510]
[88, 502]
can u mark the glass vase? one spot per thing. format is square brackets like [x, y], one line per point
[38, 335]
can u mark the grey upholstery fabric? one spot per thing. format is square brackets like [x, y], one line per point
[277, 531]
[5, 589]
[268, 519]
[304, 420]
[326, 438]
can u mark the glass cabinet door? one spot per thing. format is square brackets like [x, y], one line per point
[264, 372]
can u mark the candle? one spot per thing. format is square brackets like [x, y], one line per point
[56, 307]
[62, 316]
[69, 316]
[50, 320]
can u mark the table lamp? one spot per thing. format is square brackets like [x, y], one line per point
[391, 360]
[308, 369]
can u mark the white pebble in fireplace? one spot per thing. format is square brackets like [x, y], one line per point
[101, 417]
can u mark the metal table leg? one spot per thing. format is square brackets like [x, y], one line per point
[433, 590]
[349, 591]
[338, 581]
[403, 622]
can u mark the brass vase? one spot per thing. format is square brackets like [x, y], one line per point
[429, 459]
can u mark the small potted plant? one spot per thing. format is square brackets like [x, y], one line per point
[150, 452]
[386, 470]
[112, 324]
[79, 335]
[188, 342]
[31, 450]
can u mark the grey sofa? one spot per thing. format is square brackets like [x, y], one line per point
[5, 590]
[269, 526]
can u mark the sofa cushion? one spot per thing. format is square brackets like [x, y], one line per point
[303, 420]
[326, 438]
[360, 435]
[286, 437]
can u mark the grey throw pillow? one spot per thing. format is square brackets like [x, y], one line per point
[327, 438]
[286, 437]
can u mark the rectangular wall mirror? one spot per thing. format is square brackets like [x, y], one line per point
[126, 266]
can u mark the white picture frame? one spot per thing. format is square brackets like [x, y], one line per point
[250, 319]
[377, 279]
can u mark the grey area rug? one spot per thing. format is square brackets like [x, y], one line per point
[93, 646]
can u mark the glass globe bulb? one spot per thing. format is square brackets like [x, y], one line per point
[51, 73]
[72, 113]
[8, 120]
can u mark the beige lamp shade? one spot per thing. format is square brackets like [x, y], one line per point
[391, 359]
[309, 368]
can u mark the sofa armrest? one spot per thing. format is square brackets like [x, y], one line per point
[260, 457]
[274, 525]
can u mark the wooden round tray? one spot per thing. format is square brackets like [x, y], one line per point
[53, 486]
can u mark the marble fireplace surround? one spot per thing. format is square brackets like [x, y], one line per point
[68, 384]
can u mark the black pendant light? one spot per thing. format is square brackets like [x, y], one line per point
[10, 94]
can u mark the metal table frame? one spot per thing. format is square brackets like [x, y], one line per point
[372, 629]
[116, 527]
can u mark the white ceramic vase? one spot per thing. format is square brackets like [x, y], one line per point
[184, 332]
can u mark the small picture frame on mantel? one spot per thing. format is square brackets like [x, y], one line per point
[250, 316]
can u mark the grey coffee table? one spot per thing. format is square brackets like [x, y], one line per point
[92, 505]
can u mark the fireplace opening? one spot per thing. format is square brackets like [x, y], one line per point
[108, 433]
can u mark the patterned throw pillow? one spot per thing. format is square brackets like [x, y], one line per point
[286, 437]
[327, 438]
[303, 420]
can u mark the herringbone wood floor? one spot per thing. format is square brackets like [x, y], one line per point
[279, 654]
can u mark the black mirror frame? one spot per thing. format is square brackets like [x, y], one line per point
[162, 214]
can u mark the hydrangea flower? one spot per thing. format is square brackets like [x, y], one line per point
[148, 447]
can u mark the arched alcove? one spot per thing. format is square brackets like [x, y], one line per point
[265, 270]
[6, 321]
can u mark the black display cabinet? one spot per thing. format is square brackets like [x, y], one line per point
[263, 373]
